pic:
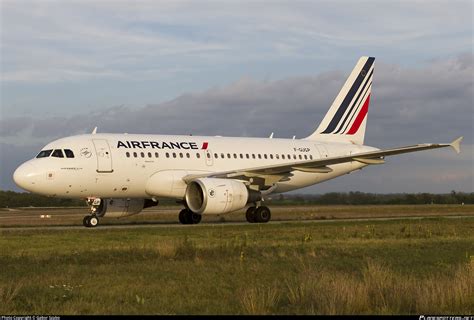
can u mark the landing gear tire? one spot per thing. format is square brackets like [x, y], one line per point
[186, 216]
[85, 221]
[183, 216]
[90, 221]
[195, 218]
[93, 221]
[250, 214]
[262, 214]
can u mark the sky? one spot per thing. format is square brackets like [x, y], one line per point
[242, 68]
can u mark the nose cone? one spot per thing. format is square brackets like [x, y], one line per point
[24, 176]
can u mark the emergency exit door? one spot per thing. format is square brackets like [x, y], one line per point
[104, 157]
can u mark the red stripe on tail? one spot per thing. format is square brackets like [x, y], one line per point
[360, 117]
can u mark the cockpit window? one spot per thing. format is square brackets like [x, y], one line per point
[69, 153]
[58, 153]
[44, 153]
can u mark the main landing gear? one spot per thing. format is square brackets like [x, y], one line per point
[186, 216]
[258, 215]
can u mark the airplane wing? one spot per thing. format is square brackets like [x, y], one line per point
[268, 175]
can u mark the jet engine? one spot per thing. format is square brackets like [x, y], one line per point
[119, 207]
[215, 196]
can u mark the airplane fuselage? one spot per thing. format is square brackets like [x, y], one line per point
[122, 165]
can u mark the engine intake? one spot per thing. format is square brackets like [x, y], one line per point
[215, 196]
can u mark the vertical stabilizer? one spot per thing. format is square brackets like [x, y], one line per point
[347, 118]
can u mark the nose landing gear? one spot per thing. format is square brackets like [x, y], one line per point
[97, 206]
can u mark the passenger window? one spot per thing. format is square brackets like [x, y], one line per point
[253, 155]
[134, 154]
[294, 156]
[142, 154]
[271, 156]
[283, 156]
[300, 157]
[241, 156]
[208, 155]
[305, 157]
[68, 153]
[289, 157]
[188, 155]
[58, 153]
[259, 156]
[265, 155]
[277, 156]
[181, 155]
[156, 155]
[167, 155]
[44, 154]
[228, 155]
[127, 154]
[235, 156]
[198, 155]
[149, 154]
[222, 156]
[247, 156]
[216, 156]
[174, 154]
[311, 156]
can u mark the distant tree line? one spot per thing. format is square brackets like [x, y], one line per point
[24, 199]
[362, 198]
[11, 199]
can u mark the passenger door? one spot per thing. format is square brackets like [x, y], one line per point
[104, 156]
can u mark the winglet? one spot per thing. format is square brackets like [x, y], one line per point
[456, 145]
[94, 131]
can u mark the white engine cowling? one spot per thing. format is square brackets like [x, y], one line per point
[117, 208]
[215, 196]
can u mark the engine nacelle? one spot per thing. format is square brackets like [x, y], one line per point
[117, 208]
[215, 196]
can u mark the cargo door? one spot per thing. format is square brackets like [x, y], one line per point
[323, 151]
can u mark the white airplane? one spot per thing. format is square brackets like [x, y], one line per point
[121, 174]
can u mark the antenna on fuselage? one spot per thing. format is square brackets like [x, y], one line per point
[94, 131]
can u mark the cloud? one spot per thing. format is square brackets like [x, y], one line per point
[429, 103]
[53, 42]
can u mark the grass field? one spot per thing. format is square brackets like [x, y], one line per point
[340, 267]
